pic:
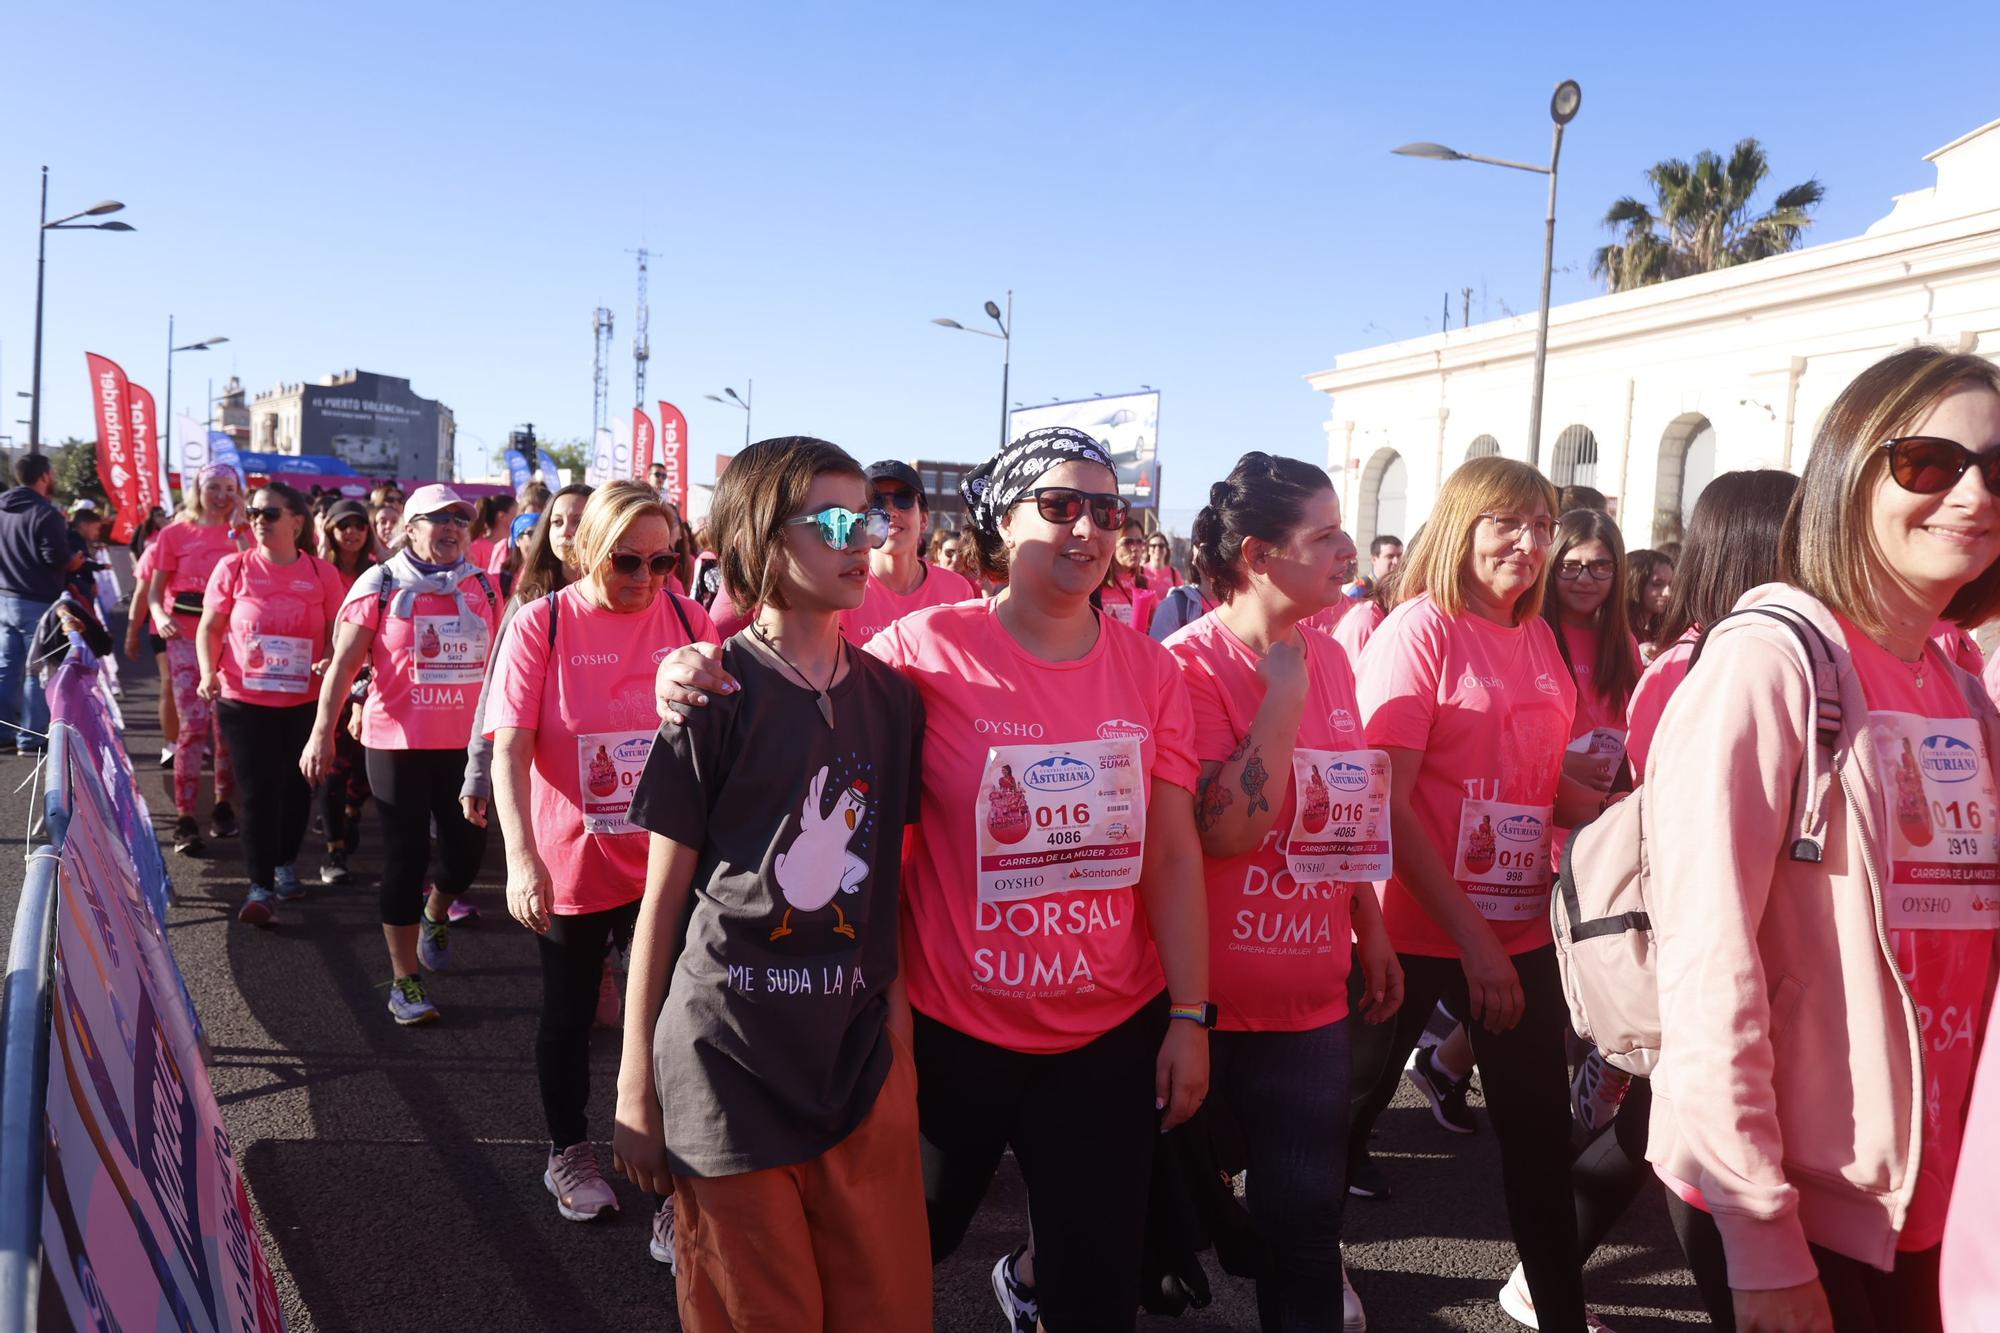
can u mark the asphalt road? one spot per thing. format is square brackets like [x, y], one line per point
[397, 1173]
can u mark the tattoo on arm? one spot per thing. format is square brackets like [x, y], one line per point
[1254, 778]
[1210, 801]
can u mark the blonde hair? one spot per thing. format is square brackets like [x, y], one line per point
[611, 510]
[191, 494]
[1436, 563]
[1818, 549]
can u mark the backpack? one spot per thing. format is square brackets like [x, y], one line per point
[1603, 930]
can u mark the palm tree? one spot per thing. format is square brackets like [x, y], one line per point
[1701, 220]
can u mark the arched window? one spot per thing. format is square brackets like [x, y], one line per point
[1482, 446]
[1687, 465]
[1574, 462]
[1385, 485]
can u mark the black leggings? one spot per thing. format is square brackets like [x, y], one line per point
[412, 788]
[1863, 1298]
[1612, 1170]
[1083, 1129]
[1525, 1076]
[573, 953]
[346, 784]
[265, 744]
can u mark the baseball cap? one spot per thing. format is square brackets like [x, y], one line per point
[434, 497]
[85, 508]
[340, 509]
[891, 469]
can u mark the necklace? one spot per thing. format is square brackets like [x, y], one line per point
[821, 696]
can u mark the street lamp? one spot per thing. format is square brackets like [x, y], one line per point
[1006, 337]
[67, 222]
[166, 421]
[749, 396]
[1563, 106]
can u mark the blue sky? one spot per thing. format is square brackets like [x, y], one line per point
[1200, 198]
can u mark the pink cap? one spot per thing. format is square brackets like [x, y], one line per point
[433, 498]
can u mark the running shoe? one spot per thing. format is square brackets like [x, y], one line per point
[259, 909]
[333, 870]
[1597, 1091]
[1366, 1181]
[582, 1193]
[661, 1247]
[1018, 1305]
[610, 999]
[1520, 1306]
[187, 837]
[287, 883]
[166, 756]
[408, 1004]
[222, 821]
[1353, 1319]
[1445, 1094]
[434, 944]
[462, 912]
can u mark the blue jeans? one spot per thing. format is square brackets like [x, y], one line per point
[18, 618]
[1287, 1092]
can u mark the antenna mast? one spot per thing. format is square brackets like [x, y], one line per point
[642, 348]
[600, 379]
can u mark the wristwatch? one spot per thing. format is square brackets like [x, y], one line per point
[1202, 1013]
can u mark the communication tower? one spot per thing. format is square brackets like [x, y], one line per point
[642, 349]
[600, 323]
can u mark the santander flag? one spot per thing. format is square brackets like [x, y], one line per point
[145, 460]
[674, 454]
[109, 392]
[642, 443]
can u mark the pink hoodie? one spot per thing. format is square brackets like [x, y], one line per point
[1969, 1285]
[1791, 1061]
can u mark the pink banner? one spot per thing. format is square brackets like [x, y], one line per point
[674, 453]
[108, 393]
[642, 443]
[145, 457]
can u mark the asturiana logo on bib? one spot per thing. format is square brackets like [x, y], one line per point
[1521, 828]
[1948, 759]
[1119, 729]
[1059, 773]
[1343, 775]
[633, 751]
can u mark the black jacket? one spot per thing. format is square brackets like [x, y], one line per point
[34, 546]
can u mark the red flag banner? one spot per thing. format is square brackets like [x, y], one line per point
[145, 462]
[674, 453]
[642, 443]
[109, 393]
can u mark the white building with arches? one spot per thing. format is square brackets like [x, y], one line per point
[1650, 393]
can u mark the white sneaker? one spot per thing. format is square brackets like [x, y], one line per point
[582, 1193]
[1520, 1306]
[1018, 1305]
[1597, 1091]
[661, 1246]
[1353, 1319]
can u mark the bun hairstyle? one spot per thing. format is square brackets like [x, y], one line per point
[1265, 497]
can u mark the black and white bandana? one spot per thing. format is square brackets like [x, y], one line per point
[992, 489]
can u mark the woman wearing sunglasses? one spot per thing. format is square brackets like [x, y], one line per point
[423, 622]
[1056, 750]
[1160, 571]
[1128, 596]
[266, 624]
[570, 712]
[769, 1088]
[1465, 688]
[185, 554]
[900, 581]
[1819, 1006]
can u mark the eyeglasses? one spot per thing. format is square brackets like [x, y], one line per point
[444, 516]
[838, 525]
[659, 564]
[900, 496]
[1929, 464]
[1062, 504]
[1599, 570]
[1508, 527]
[269, 513]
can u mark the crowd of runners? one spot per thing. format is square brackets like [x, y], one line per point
[1165, 874]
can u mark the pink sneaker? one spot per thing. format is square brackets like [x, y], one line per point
[582, 1193]
[461, 912]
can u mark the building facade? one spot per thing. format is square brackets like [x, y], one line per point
[1650, 393]
[375, 423]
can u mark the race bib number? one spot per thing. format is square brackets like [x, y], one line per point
[1503, 858]
[1053, 818]
[608, 764]
[1594, 757]
[448, 650]
[279, 663]
[1340, 816]
[1943, 872]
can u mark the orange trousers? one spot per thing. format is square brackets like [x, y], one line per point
[838, 1244]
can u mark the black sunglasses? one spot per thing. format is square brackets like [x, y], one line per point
[900, 496]
[1062, 504]
[351, 524]
[1929, 464]
[628, 564]
[269, 513]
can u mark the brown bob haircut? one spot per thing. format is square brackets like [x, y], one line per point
[1437, 563]
[763, 486]
[1827, 546]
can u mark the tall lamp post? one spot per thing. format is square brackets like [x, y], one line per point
[68, 222]
[749, 396]
[167, 420]
[1563, 107]
[1006, 337]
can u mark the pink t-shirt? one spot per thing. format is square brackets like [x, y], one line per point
[1947, 970]
[1657, 684]
[1278, 950]
[1129, 604]
[594, 721]
[1328, 619]
[425, 691]
[480, 551]
[1969, 1281]
[1489, 707]
[882, 607]
[496, 558]
[1958, 647]
[1357, 627]
[186, 554]
[1037, 974]
[278, 621]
